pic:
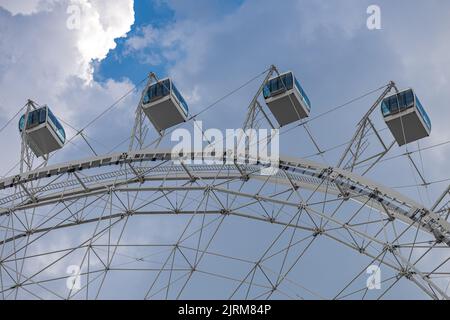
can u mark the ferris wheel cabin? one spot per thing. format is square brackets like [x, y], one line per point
[406, 117]
[44, 132]
[286, 99]
[164, 105]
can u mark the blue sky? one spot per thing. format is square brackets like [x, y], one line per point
[118, 65]
[209, 48]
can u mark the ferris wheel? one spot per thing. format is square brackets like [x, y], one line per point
[147, 223]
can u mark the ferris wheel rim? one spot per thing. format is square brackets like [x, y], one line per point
[436, 225]
[287, 164]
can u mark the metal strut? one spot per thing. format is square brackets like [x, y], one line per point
[26, 155]
[354, 154]
[255, 106]
[140, 129]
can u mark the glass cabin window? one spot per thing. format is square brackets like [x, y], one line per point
[278, 85]
[157, 91]
[21, 123]
[39, 116]
[408, 99]
[397, 103]
[423, 114]
[303, 94]
[57, 126]
[35, 118]
[180, 98]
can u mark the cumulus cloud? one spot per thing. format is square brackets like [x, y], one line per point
[43, 59]
[23, 7]
[101, 22]
[148, 36]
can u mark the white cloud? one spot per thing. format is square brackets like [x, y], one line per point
[148, 36]
[41, 46]
[42, 59]
[101, 23]
[22, 7]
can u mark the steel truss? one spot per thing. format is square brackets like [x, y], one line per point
[147, 223]
[27, 157]
[304, 204]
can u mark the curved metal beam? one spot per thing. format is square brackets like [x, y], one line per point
[301, 172]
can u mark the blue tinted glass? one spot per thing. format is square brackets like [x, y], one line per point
[397, 103]
[278, 85]
[393, 103]
[405, 99]
[401, 100]
[303, 94]
[21, 123]
[39, 116]
[409, 98]
[157, 90]
[423, 114]
[43, 115]
[266, 91]
[288, 81]
[180, 98]
[54, 122]
[35, 118]
[385, 108]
